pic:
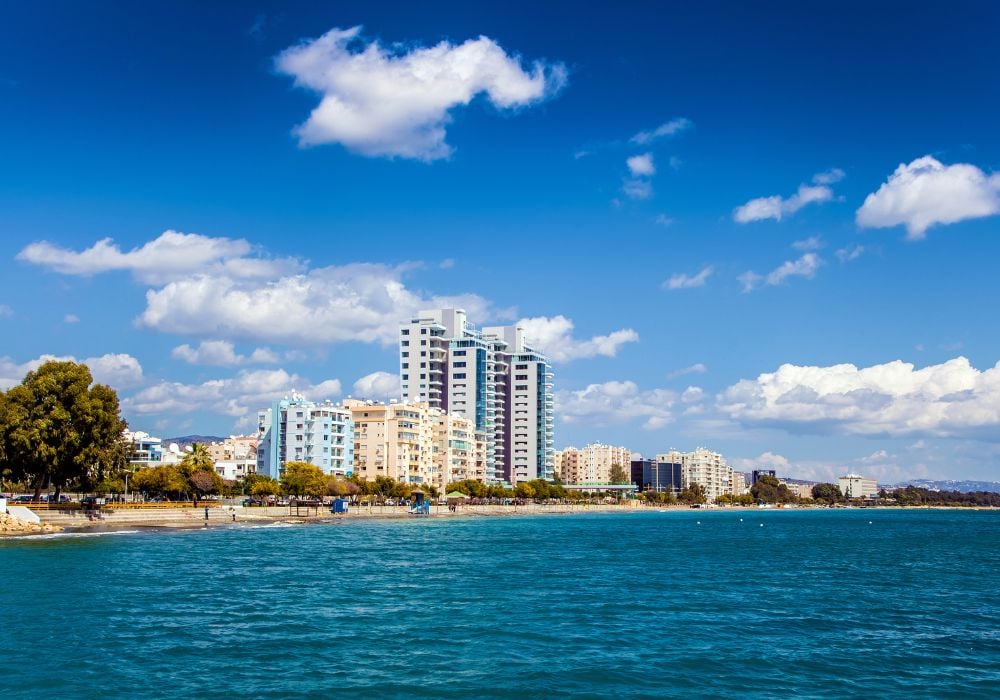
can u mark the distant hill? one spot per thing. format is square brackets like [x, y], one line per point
[186, 440]
[952, 485]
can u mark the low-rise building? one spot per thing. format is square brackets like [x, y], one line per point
[235, 457]
[592, 464]
[857, 486]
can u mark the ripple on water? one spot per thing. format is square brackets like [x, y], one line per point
[816, 604]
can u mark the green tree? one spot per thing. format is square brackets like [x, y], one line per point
[829, 493]
[303, 479]
[165, 480]
[524, 490]
[197, 460]
[694, 493]
[619, 475]
[769, 490]
[57, 426]
[204, 483]
[265, 486]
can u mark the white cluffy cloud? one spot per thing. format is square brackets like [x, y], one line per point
[222, 353]
[554, 337]
[234, 396]
[926, 192]
[641, 164]
[118, 370]
[669, 128]
[377, 385]
[811, 243]
[601, 404]
[767, 460]
[696, 368]
[172, 255]
[359, 302]
[681, 280]
[214, 292]
[952, 399]
[851, 252]
[805, 266]
[391, 102]
[777, 207]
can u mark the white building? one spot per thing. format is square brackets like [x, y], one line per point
[857, 486]
[235, 457]
[709, 469]
[490, 376]
[296, 430]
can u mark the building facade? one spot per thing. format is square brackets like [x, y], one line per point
[492, 377]
[657, 475]
[297, 430]
[146, 450]
[235, 457]
[857, 486]
[709, 469]
[592, 464]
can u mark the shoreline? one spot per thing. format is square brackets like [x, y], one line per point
[140, 520]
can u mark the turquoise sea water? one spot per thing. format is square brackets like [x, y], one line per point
[865, 603]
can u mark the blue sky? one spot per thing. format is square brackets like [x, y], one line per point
[771, 231]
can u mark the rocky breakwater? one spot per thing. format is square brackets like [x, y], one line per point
[9, 525]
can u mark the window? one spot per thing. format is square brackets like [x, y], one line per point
[423, 331]
[405, 354]
[521, 377]
[406, 365]
[405, 331]
[405, 377]
[459, 353]
[521, 387]
[459, 364]
[520, 366]
[458, 375]
[423, 376]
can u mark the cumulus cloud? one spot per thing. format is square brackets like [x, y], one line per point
[852, 252]
[681, 280]
[637, 188]
[248, 391]
[358, 302]
[118, 370]
[641, 164]
[952, 399]
[697, 368]
[172, 255]
[810, 243]
[219, 297]
[377, 385]
[777, 207]
[674, 126]
[222, 353]
[828, 177]
[805, 266]
[616, 402]
[766, 460]
[387, 101]
[926, 192]
[554, 337]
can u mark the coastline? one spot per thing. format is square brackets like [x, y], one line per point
[77, 522]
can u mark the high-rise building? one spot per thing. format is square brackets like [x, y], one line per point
[656, 475]
[296, 430]
[490, 376]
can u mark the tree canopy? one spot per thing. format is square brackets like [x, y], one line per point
[769, 490]
[619, 475]
[57, 427]
[830, 493]
[303, 479]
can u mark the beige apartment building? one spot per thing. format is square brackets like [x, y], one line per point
[416, 444]
[592, 464]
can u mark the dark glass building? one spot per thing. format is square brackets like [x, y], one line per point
[650, 475]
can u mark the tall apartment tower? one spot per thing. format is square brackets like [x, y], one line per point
[490, 376]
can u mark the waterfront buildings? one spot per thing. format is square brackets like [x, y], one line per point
[707, 468]
[492, 377]
[145, 451]
[757, 473]
[657, 475]
[235, 457]
[857, 486]
[415, 443]
[295, 429]
[592, 464]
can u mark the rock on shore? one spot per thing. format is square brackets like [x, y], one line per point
[9, 525]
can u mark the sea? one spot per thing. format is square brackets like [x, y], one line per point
[694, 604]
